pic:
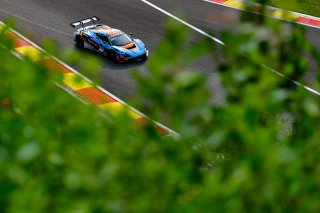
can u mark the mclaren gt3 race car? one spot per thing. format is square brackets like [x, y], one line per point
[108, 41]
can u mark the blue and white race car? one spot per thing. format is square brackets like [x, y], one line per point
[108, 41]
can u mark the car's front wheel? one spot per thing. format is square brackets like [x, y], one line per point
[112, 55]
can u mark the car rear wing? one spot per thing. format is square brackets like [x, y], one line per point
[84, 21]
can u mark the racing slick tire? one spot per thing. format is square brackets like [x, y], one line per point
[79, 43]
[113, 55]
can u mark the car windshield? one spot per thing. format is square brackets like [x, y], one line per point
[103, 37]
[120, 40]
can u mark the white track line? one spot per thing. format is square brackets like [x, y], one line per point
[184, 22]
[313, 91]
[293, 81]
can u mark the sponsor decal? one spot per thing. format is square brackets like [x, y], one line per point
[93, 43]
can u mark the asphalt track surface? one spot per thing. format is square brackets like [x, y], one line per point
[42, 19]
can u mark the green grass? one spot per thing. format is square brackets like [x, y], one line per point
[310, 7]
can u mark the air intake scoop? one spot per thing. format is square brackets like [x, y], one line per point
[129, 46]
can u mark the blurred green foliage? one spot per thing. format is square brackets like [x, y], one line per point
[310, 7]
[58, 155]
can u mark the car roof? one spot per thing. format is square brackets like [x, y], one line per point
[105, 30]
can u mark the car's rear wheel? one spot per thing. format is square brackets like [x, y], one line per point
[79, 43]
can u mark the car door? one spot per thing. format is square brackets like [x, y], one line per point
[104, 43]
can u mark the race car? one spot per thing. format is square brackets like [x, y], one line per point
[109, 42]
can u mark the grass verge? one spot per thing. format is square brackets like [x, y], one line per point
[309, 7]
